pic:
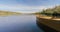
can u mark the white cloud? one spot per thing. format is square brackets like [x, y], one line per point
[22, 8]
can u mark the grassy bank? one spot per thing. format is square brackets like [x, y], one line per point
[48, 22]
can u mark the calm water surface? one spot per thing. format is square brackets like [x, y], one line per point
[21, 23]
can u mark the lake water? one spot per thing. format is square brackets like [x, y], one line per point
[21, 23]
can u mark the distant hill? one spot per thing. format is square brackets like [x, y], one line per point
[8, 13]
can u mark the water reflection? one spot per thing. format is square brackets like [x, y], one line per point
[21, 23]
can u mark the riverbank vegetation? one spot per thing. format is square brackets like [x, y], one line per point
[6, 13]
[50, 11]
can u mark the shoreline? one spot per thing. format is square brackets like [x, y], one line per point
[47, 17]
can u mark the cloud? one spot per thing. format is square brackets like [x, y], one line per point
[27, 5]
[20, 8]
[23, 8]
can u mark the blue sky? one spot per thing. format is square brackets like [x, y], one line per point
[27, 5]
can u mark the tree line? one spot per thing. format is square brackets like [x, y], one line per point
[50, 11]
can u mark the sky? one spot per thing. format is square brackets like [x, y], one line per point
[27, 5]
